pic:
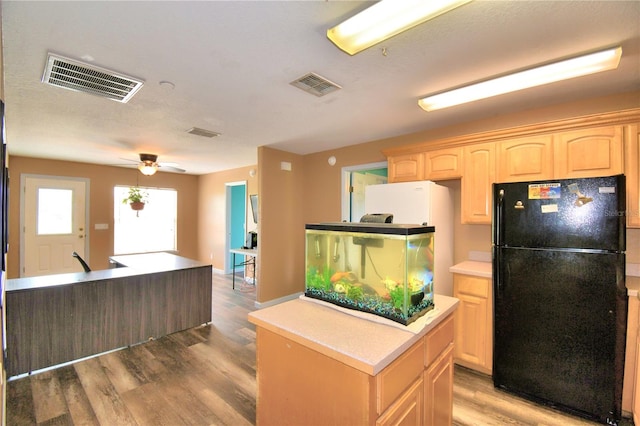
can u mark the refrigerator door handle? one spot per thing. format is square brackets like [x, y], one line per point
[496, 272]
[498, 242]
[498, 218]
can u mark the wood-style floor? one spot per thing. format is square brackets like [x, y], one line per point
[206, 376]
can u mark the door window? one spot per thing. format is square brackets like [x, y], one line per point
[55, 211]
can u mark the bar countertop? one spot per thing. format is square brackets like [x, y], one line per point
[135, 264]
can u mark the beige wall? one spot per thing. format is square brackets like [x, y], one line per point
[102, 181]
[281, 224]
[282, 231]
[212, 222]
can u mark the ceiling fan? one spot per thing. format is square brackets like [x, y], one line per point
[148, 165]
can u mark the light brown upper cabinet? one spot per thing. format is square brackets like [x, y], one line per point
[443, 164]
[633, 178]
[525, 159]
[406, 168]
[590, 152]
[479, 176]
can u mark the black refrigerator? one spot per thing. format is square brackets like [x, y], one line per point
[560, 302]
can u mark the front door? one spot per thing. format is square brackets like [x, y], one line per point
[54, 225]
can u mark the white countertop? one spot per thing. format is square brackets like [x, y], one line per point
[633, 286]
[366, 345]
[472, 267]
[483, 269]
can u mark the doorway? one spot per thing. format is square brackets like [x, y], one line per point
[236, 219]
[53, 222]
[354, 180]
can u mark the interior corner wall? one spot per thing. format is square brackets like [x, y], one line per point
[280, 225]
[212, 212]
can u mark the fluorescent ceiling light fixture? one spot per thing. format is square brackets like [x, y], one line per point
[575, 67]
[386, 19]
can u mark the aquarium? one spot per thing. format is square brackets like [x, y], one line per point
[380, 268]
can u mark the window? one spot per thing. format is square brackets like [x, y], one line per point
[148, 230]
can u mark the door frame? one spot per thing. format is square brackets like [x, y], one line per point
[346, 183]
[87, 188]
[228, 268]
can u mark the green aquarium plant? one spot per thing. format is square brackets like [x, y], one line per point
[318, 280]
[327, 273]
[355, 293]
[397, 297]
[313, 279]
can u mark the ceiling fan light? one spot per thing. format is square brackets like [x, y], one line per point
[563, 70]
[148, 169]
[386, 19]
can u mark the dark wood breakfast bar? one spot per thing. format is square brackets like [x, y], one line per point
[55, 319]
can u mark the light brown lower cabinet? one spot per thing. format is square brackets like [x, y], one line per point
[438, 380]
[636, 395]
[474, 322]
[298, 385]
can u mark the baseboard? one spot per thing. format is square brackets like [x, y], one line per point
[260, 305]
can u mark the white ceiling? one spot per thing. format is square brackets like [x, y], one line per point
[231, 63]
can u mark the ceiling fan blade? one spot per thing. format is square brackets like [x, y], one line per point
[128, 159]
[164, 166]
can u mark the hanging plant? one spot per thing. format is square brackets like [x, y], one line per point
[136, 198]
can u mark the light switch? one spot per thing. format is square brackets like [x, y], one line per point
[285, 165]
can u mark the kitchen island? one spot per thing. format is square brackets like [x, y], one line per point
[60, 318]
[319, 364]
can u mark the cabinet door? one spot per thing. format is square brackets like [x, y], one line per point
[443, 164]
[589, 152]
[526, 159]
[479, 175]
[407, 410]
[406, 168]
[632, 170]
[473, 323]
[438, 391]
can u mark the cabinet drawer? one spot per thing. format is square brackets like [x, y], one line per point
[473, 286]
[437, 340]
[395, 378]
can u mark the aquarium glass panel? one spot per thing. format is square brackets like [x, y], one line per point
[386, 270]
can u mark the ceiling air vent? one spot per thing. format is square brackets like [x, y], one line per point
[74, 75]
[203, 132]
[316, 85]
